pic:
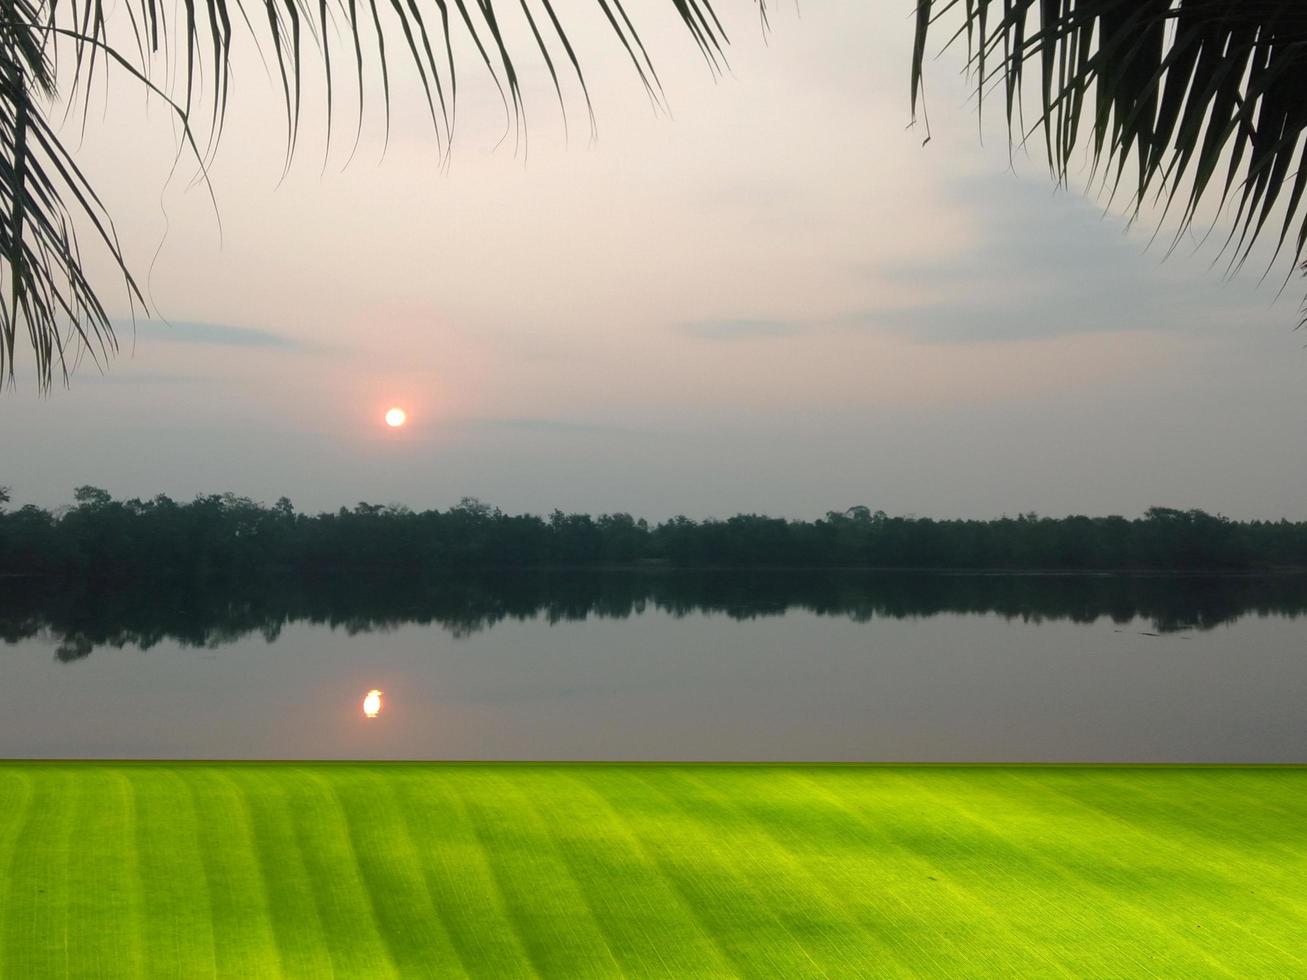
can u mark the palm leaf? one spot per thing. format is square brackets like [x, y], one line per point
[1183, 101]
[45, 296]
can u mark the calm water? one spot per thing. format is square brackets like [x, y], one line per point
[629, 665]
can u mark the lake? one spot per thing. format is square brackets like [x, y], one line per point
[645, 665]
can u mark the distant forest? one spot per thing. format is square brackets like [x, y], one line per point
[222, 535]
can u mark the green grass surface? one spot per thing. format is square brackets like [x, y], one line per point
[193, 870]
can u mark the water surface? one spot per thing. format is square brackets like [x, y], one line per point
[630, 665]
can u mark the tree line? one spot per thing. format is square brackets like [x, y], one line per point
[221, 535]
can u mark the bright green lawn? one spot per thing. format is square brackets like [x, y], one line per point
[370, 870]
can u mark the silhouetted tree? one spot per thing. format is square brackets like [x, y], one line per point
[1178, 101]
[224, 535]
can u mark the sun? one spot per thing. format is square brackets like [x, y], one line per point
[396, 417]
[372, 703]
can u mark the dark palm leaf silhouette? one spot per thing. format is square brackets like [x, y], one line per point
[1177, 101]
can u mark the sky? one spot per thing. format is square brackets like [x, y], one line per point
[777, 297]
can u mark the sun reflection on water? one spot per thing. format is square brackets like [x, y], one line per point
[372, 703]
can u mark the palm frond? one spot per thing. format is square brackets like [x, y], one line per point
[1181, 101]
[43, 195]
[46, 200]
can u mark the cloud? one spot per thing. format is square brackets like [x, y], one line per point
[1040, 263]
[1043, 264]
[218, 334]
[1047, 263]
[114, 376]
[740, 329]
[560, 426]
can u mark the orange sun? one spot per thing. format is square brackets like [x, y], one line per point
[396, 417]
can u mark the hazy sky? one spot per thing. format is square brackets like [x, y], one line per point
[776, 300]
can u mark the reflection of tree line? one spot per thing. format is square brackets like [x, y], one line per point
[83, 618]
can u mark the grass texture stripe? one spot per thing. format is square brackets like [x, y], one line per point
[249, 870]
